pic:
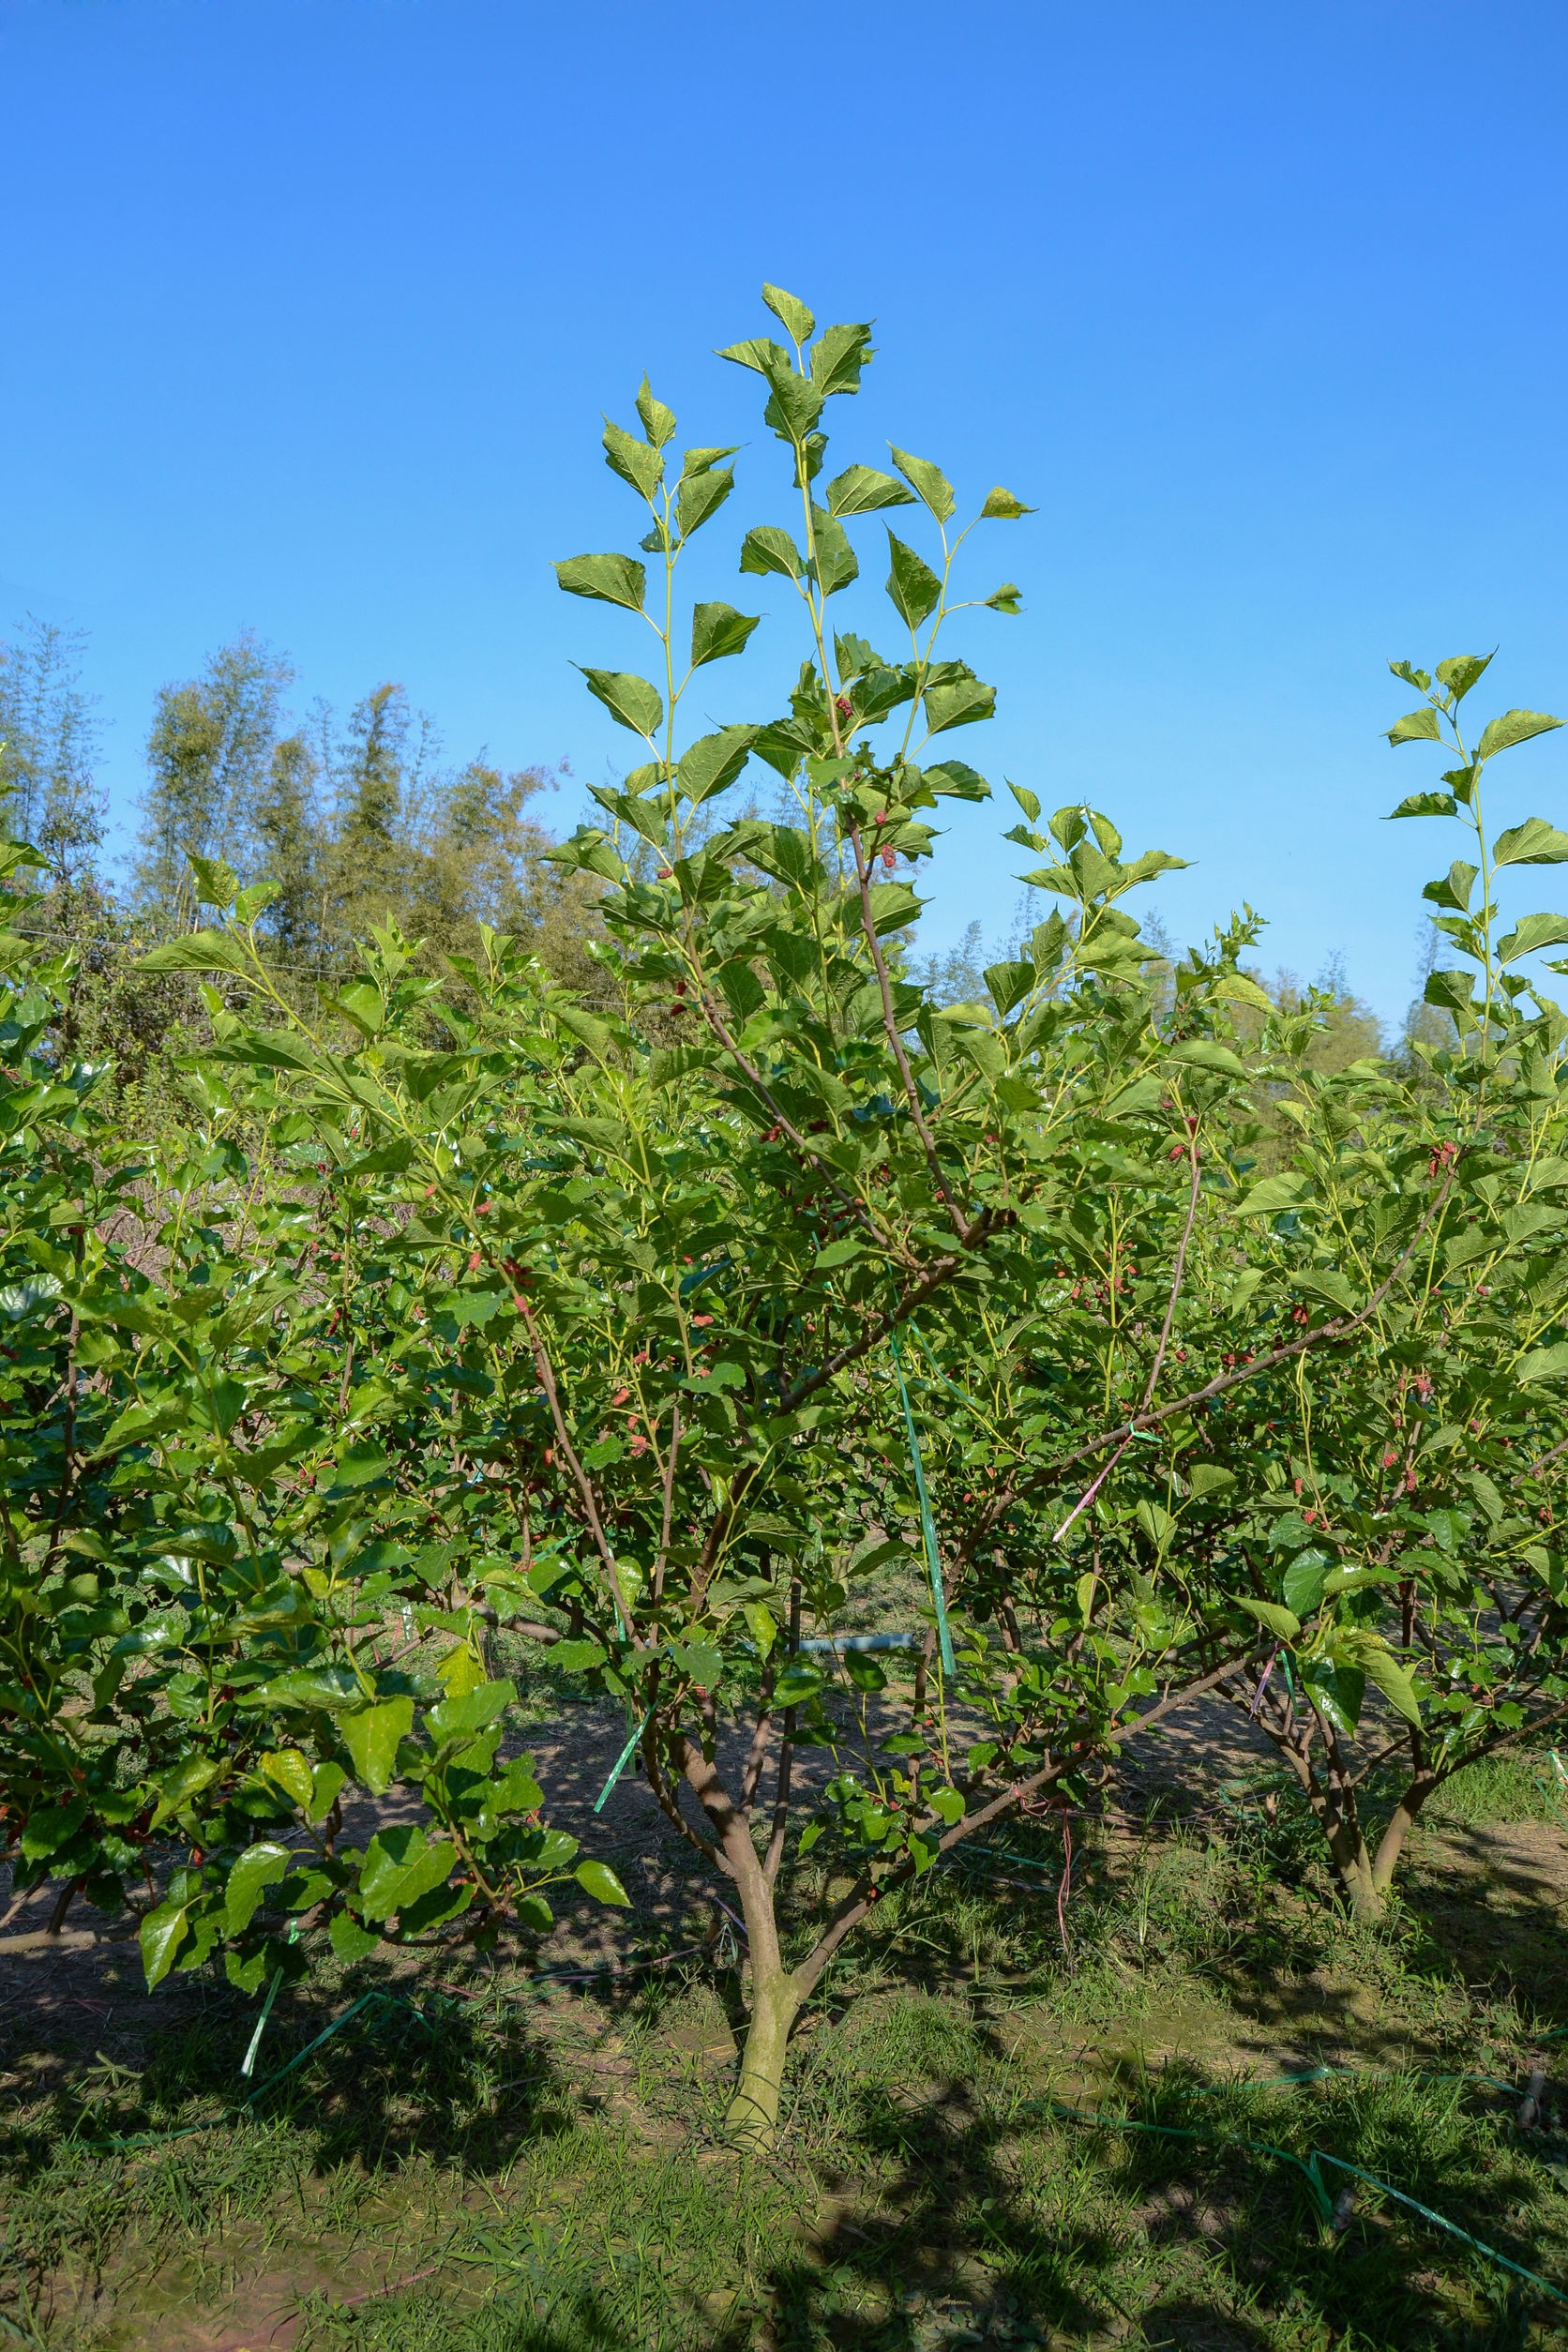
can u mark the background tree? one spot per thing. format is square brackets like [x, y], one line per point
[49, 741]
[209, 753]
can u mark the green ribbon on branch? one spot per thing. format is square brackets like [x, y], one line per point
[621, 1762]
[928, 1525]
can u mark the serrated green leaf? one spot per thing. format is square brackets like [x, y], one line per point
[797, 321]
[371, 1738]
[636, 461]
[1204, 1054]
[633, 701]
[718, 630]
[837, 357]
[400, 1866]
[610, 579]
[1002, 507]
[1460, 672]
[861, 490]
[216, 880]
[960, 704]
[713, 761]
[702, 495]
[1416, 726]
[1272, 1196]
[1534, 932]
[350, 1940]
[912, 588]
[202, 951]
[1425, 805]
[163, 1933]
[1533, 843]
[768, 549]
[1501, 734]
[930, 485]
[659, 422]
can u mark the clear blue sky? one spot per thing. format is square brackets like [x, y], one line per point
[312, 306]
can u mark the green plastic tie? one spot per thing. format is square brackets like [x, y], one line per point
[621, 1762]
[249, 2060]
[928, 1525]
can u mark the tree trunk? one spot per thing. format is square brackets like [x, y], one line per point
[776, 1993]
[1392, 1844]
[752, 2118]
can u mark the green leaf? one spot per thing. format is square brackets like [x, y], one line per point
[770, 550]
[19, 1300]
[203, 951]
[1543, 1363]
[959, 705]
[659, 422]
[947, 1806]
[1204, 1054]
[610, 579]
[400, 1866]
[1234, 988]
[1007, 598]
[761, 354]
[797, 320]
[1533, 843]
[860, 489]
[954, 779]
[718, 630]
[1272, 1196]
[763, 1625]
[216, 880]
[1461, 672]
[1426, 804]
[371, 1738]
[927, 480]
[635, 461]
[1532, 931]
[577, 1657]
[627, 698]
[163, 1933]
[913, 589]
[1002, 507]
[1501, 734]
[836, 563]
[796, 1684]
[1378, 1661]
[702, 495]
[349, 1940]
[837, 357]
[1416, 726]
[183, 1781]
[1010, 984]
[699, 461]
[358, 1467]
[1304, 1581]
[1283, 1621]
[597, 1879]
[701, 1659]
[460, 1718]
[259, 1866]
[711, 763]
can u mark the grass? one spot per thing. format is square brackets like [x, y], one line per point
[1504, 1787]
[547, 2173]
